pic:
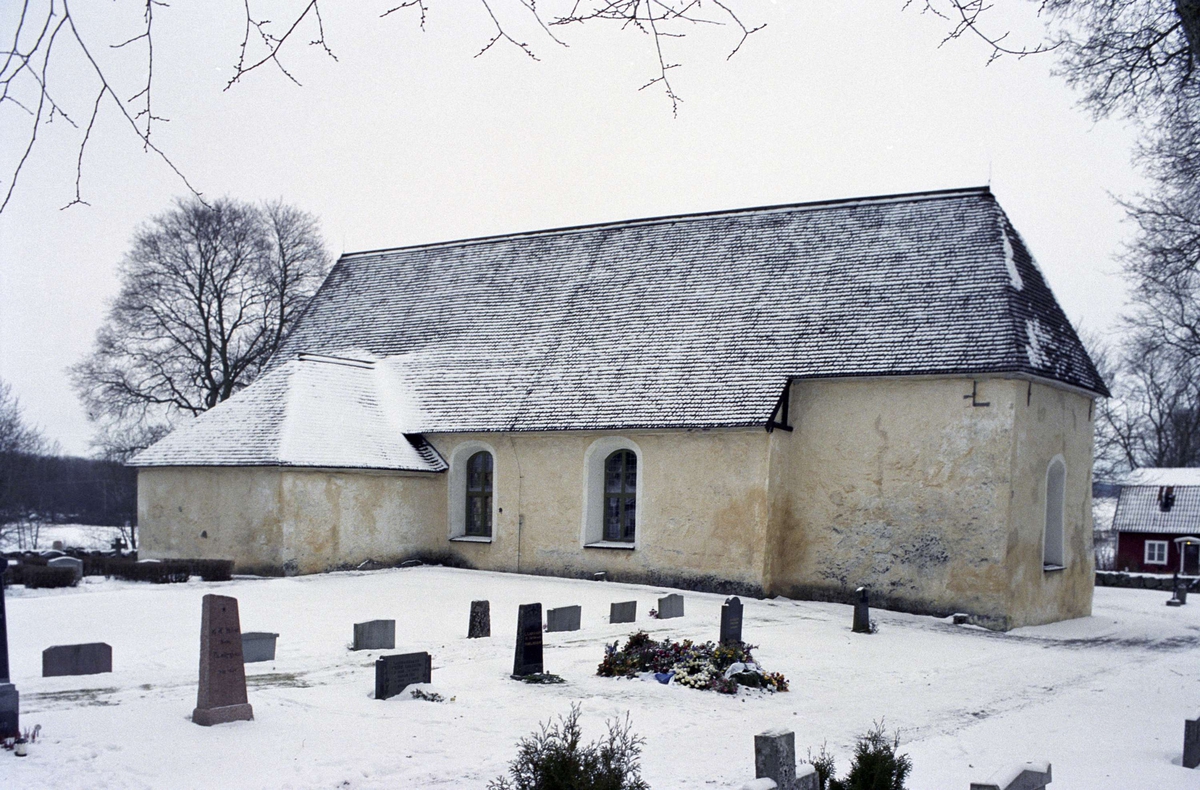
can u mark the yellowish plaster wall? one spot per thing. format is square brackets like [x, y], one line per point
[211, 513]
[340, 519]
[933, 503]
[273, 520]
[703, 507]
[1054, 423]
[898, 485]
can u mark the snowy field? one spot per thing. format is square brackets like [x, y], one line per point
[1102, 698]
[78, 536]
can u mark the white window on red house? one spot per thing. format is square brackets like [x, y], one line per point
[1156, 552]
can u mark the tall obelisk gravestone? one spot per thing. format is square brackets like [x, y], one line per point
[222, 693]
[9, 699]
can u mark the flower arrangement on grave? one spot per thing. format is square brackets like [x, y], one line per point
[706, 666]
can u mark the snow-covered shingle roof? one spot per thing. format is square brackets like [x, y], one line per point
[312, 411]
[1140, 507]
[690, 321]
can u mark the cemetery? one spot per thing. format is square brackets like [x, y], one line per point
[320, 681]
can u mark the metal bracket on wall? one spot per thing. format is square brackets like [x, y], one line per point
[781, 409]
[974, 396]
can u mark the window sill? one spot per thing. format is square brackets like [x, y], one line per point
[1049, 568]
[470, 539]
[611, 544]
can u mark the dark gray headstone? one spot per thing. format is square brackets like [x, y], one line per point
[565, 618]
[624, 612]
[258, 646]
[221, 696]
[731, 621]
[528, 658]
[807, 778]
[480, 624]
[88, 659]
[775, 757]
[73, 563]
[395, 673]
[1027, 776]
[10, 706]
[670, 606]
[375, 635]
[1191, 742]
[862, 613]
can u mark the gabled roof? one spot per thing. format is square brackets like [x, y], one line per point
[1140, 505]
[312, 411]
[690, 321]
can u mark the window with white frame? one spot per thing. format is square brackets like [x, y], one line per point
[471, 481]
[1156, 552]
[612, 494]
[1053, 556]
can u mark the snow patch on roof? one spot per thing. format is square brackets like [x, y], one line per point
[317, 410]
[1163, 477]
[1010, 262]
[1039, 339]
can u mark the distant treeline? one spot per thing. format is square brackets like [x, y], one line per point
[63, 489]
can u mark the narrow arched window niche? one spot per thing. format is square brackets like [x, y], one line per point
[471, 507]
[613, 484]
[1053, 554]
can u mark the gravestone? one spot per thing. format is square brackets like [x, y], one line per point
[393, 674]
[670, 606]
[480, 624]
[1029, 776]
[73, 563]
[222, 693]
[258, 646]
[93, 658]
[775, 757]
[731, 621]
[528, 658]
[862, 613]
[624, 612]
[375, 635]
[9, 698]
[1191, 742]
[565, 618]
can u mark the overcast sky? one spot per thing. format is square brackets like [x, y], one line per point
[409, 138]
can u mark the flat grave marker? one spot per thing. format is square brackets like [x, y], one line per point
[564, 618]
[528, 658]
[670, 607]
[258, 646]
[375, 635]
[93, 658]
[480, 624]
[221, 696]
[393, 674]
[623, 612]
[731, 621]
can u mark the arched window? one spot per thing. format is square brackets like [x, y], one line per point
[620, 495]
[1052, 542]
[479, 495]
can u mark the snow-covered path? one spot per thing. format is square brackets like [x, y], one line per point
[1103, 698]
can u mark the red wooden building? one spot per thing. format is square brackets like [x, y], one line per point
[1158, 522]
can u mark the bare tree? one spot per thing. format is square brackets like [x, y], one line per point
[208, 292]
[19, 442]
[16, 436]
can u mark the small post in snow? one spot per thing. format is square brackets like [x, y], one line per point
[862, 613]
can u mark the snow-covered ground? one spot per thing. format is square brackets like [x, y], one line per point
[78, 536]
[1102, 698]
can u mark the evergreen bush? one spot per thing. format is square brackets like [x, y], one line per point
[553, 759]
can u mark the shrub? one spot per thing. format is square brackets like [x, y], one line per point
[34, 576]
[876, 766]
[211, 570]
[824, 764]
[702, 666]
[165, 572]
[553, 759]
